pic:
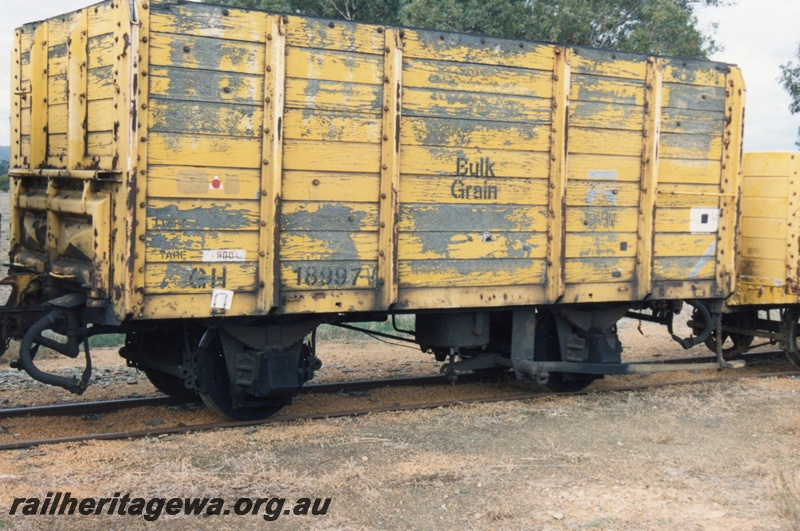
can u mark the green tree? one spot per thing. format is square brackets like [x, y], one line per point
[790, 79]
[667, 27]
[4, 175]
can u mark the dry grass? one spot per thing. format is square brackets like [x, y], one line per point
[789, 498]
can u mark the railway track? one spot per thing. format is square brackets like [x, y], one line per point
[334, 388]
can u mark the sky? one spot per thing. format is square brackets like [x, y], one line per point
[757, 35]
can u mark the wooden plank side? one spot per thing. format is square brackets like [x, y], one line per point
[604, 142]
[335, 66]
[471, 245]
[684, 268]
[619, 168]
[205, 53]
[761, 247]
[173, 246]
[694, 72]
[328, 216]
[334, 35]
[475, 106]
[689, 171]
[672, 244]
[198, 214]
[602, 219]
[328, 245]
[331, 187]
[309, 124]
[755, 187]
[599, 270]
[772, 229]
[205, 85]
[225, 119]
[600, 245]
[455, 132]
[471, 218]
[472, 49]
[679, 96]
[333, 96]
[328, 275]
[101, 51]
[186, 277]
[609, 64]
[690, 146]
[202, 20]
[600, 89]
[192, 181]
[692, 122]
[595, 192]
[470, 273]
[204, 150]
[484, 79]
[687, 196]
[458, 190]
[603, 115]
[331, 156]
[455, 162]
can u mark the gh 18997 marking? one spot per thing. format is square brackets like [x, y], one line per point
[334, 276]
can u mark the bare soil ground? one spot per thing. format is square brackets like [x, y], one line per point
[708, 456]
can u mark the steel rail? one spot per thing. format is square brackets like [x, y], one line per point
[107, 406]
[524, 395]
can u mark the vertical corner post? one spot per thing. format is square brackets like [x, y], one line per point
[78, 87]
[389, 201]
[272, 164]
[730, 182]
[556, 221]
[648, 183]
[38, 95]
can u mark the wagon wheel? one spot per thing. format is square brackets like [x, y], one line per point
[169, 384]
[546, 348]
[737, 343]
[790, 346]
[218, 393]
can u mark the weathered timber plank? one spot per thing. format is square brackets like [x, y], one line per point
[600, 245]
[674, 245]
[224, 119]
[330, 187]
[189, 246]
[459, 189]
[604, 142]
[331, 156]
[336, 66]
[333, 96]
[174, 277]
[602, 219]
[471, 218]
[328, 275]
[456, 162]
[587, 88]
[486, 79]
[470, 273]
[204, 85]
[604, 270]
[475, 106]
[329, 216]
[205, 53]
[474, 49]
[328, 245]
[188, 215]
[594, 192]
[203, 20]
[204, 150]
[604, 115]
[457, 133]
[471, 245]
[309, 124]
[618, 168]
[191, 181]
[684, 268]
[338, 35]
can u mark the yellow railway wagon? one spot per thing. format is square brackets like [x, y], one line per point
[768, 253]
[184, 161]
